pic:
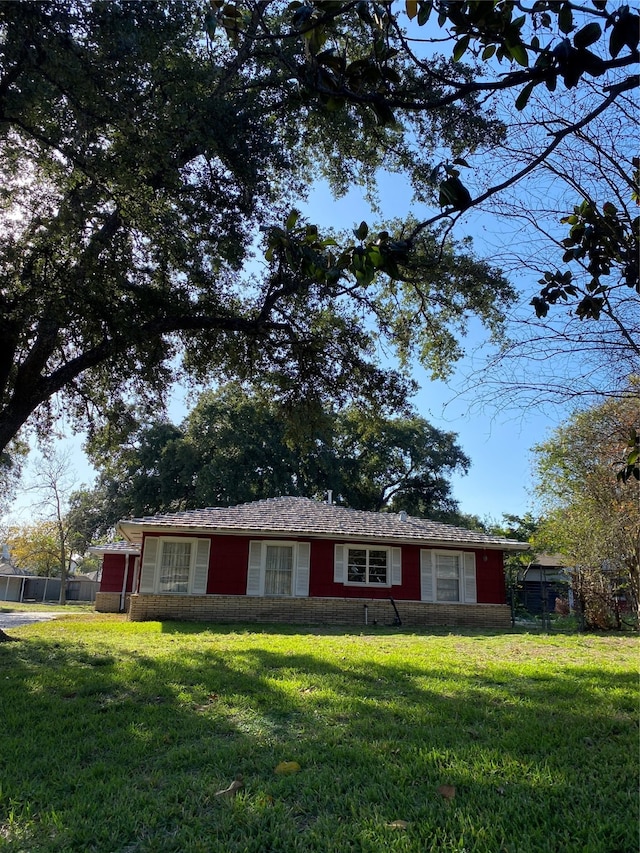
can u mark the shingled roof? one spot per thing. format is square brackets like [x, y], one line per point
[292, 516]
[115, 548]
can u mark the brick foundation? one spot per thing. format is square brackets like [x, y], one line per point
[317, 611]
[109, 602]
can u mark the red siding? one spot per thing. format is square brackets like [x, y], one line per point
[113, 566]
[490, 577]
[229, 557]
[322, 585]
[228, 564]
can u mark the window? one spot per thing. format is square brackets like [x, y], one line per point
[278, 568]
[448, 577]
[367, 565]
[175, 564]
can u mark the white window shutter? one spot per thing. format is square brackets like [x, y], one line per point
[339, 565]
[302, 569]
[396, 566]
[254, 572]
[201, 569]
[426, 575]
[149, 560]
[470, 592]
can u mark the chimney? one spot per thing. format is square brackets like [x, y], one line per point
[403, 515]
[330, 496]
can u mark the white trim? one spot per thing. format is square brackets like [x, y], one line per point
[426, 575]
[303, 570]
[339, 565]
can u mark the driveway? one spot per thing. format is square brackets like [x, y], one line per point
[25, 617]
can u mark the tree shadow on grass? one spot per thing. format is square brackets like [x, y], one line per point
[170, 626]
[113, 748]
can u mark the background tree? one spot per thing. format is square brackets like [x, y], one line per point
[579, 345]
[395, 464]
[523, 529]
[592, 517]
[34, 548]
[238, 446]
[53, 482]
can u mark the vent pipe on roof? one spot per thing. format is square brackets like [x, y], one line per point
[403, 515]
[330, 496]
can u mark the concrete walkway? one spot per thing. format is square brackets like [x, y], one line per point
[26, 617]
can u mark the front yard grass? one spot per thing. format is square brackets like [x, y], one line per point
[117, 736]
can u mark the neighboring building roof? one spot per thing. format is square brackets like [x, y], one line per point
[305, 517]
[115, 548]
[82, 577]
[7, 568]
[92, 576]
[549, 561]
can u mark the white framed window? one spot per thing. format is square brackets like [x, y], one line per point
[278, 568]
[175, 565]
[448, 577]
[367, 565]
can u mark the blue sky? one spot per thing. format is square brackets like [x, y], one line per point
[495, 435]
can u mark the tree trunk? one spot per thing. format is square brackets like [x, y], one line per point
[5, 638]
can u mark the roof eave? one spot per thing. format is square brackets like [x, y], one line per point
[133, 531]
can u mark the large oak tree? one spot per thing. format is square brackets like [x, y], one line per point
[144, 147]
[142, 157]
[237, 446]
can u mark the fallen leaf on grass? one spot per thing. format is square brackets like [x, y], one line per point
[448, 792]
[286, 768]
[210, 700]
[233, 788]
[398, 824]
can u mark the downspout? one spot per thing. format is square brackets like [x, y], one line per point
[123, 594]
[22, 590]
[136, 576]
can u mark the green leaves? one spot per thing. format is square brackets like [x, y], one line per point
[454, 194]
[565, 18]
[361, 231]
[523, 98]
[603, 243]
[587, 36]
[631, 467]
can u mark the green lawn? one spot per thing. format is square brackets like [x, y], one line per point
[116, 737]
